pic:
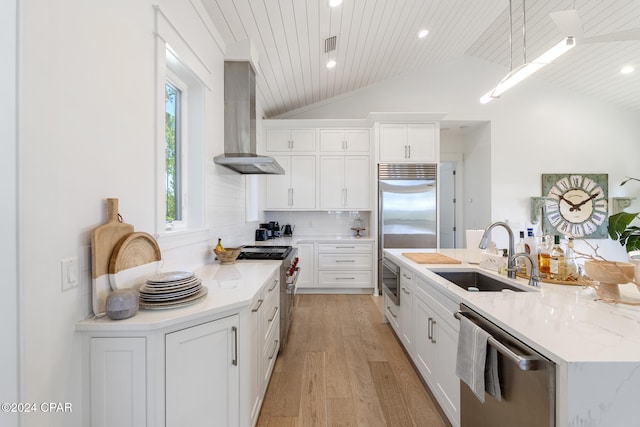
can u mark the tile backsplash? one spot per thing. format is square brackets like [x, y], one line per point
[334, 223]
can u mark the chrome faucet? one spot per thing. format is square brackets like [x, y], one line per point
[484, 243]
[533, 276]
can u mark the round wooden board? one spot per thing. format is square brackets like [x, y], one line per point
[133, 250]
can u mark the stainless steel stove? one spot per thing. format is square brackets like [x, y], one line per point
[289, 272]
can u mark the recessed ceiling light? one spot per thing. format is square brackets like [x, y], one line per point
[627, 69]
[331, 64]
[423, 33]
[334, 3]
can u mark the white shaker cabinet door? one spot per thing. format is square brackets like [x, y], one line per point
[118, 382]
[303, 182]
[279, 186]
[202, 375]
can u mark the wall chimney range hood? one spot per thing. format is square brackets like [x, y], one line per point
[240, 123]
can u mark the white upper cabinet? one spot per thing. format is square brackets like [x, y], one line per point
[345, 182]
[344, 140]
[296, 189]
[294, 140]
[409, 142]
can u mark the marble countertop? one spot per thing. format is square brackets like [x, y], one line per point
[565, 323]
[230, 287]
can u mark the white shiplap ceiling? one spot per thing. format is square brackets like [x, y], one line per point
[377, 40]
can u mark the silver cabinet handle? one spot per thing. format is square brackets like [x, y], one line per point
[290, 144]
[234, 330]
[275, 311]
[345, 247]
[405, 290]
[345, 260]
[345, 278]
[273, 353]
[429, 330]
[433, 329]
[275, 283]
[258, 305]
[406, 277]
[391, 312]
[409, 152]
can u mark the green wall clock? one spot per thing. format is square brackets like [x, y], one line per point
[576, 204]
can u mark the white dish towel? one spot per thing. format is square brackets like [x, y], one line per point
[477, 362]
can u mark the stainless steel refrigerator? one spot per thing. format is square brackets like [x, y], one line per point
[407, 210]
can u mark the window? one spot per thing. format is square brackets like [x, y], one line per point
[183, 83]
[173, 153]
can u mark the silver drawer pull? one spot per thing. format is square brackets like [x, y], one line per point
[345, 247]
[345, 278]
[389, 310]
[273, 353]
[234, 361]
[275, 311]
[345, 260]
[259, 304]
[275, 283]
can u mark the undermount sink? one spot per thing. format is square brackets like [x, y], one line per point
[477, 280]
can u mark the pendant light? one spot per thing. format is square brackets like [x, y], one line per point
[526, 69]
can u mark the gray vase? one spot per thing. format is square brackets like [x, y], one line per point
[122, 304]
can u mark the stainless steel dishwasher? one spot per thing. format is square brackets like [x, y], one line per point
[527, 382]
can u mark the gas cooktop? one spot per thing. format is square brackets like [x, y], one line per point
[264, 252]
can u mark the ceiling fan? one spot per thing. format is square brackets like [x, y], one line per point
[570, 24]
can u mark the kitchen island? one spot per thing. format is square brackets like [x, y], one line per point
[595, 345]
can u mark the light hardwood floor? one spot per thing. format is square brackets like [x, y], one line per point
[344, 367]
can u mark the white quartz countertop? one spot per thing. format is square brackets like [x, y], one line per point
[230, 287]
[565, 323]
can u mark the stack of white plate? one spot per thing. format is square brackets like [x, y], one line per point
[171, 289]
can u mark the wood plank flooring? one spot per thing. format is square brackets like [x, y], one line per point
[344, 367]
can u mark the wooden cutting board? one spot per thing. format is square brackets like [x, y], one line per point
[135, 257]
[103, 240]
[430, 258]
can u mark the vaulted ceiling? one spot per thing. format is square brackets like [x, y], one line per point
[377, 40]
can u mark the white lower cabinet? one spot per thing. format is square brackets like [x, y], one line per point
[209, 371]
[407, 309]
[435, 348]
[345, 266]
[425, 325]
[306, 255]
[392, 313]
[202, 375]
[118, 380]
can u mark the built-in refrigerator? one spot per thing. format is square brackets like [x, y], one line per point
[407, 207]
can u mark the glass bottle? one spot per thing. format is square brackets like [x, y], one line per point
[571, 269]
[544, 249]
[521, 265]
[556, 260]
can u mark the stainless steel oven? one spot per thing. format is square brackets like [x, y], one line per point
[527, 384]
[289, 272]
[390, 278]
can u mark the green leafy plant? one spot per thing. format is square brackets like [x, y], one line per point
[620, 227]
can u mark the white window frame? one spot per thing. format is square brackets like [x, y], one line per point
[177, 62]
[183, 158]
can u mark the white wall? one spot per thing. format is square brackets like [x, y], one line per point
[535, 128]
[9, 302]
[88, 133]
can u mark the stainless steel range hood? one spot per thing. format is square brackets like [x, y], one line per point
[240, 123]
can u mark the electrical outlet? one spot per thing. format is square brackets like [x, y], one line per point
[69, 273]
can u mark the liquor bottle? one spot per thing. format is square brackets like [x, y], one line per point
[544, 248]
[219, 246]
[571, 269]
[556, 260]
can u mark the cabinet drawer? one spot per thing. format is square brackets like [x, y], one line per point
[345, 248]
[345, 279]
[344, 261]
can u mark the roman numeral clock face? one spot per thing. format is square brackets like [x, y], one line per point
[576, 205]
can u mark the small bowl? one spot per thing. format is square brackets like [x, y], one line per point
[228, 256]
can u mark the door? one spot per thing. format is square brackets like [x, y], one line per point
[447, 205]
[202, 375]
